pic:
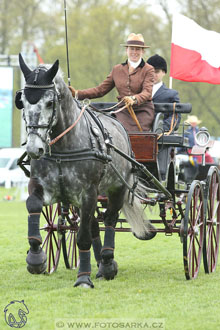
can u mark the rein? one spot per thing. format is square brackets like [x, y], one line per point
[130, 110]
[134, 117]
[69, 128]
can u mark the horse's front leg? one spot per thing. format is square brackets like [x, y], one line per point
[108, 267]
[36, 258]
[84, 241]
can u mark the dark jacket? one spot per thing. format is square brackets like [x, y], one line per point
[167, 95]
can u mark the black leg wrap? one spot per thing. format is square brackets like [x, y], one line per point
[34, 203]
[108, 267]
[83, 279]
[33, 230]
[109, 240]
[97, 247]
[84, 265]
[109, 244]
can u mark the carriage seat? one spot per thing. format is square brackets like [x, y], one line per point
[167, 108]
[166, 143]
[174, 139]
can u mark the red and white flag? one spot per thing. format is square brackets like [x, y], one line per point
[195, 52]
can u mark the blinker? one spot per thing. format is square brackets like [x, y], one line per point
[18, 102]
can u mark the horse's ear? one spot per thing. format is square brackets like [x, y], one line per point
[51, 73]
[24, 68]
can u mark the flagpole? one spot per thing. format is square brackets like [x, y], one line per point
[67, 51]
[171, 82]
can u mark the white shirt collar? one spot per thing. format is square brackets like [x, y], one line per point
[134, 64]
[156, 87]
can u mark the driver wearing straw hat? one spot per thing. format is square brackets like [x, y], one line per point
[134, 81]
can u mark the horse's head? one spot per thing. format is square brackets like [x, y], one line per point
[40, 101]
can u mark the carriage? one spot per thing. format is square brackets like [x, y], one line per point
[189, 210]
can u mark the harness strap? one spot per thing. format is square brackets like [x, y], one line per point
[99, 123]
[172, 124]
[78, 155]
[130, 110]
[108, 109]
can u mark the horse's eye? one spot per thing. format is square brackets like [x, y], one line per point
[49, 104]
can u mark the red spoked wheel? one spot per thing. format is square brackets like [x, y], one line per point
[193, 233]
[69, 246]
[52, 241]
[212, 215]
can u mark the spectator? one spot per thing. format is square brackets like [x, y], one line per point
[191, 134]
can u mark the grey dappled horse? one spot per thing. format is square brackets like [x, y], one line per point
[75, 170]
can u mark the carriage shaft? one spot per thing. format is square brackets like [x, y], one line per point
[143, 169]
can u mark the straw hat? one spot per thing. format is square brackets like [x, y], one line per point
[135, 40]
[193, 120]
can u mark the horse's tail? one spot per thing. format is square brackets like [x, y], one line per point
[136, 216]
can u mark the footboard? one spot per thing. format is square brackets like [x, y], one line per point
[144, 146]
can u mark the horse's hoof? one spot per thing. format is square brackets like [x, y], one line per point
[99, 275]
[84, 281]
[37, 262]
[108, 270]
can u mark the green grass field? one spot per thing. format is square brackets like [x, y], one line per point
[150, 290]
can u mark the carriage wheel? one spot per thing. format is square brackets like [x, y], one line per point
[212, 228]
[69, 246]
[193, 230]
[52, 242]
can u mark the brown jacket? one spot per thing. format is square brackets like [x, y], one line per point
[138, 83]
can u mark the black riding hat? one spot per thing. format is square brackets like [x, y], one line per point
[158, 62]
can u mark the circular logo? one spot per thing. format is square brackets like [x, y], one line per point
[15, 314]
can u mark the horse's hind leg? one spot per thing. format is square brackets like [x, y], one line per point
[36, 258]
[96, 243]
[108, 266]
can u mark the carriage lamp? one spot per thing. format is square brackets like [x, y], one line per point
[202, 137]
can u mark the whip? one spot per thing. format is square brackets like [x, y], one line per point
[67, 51]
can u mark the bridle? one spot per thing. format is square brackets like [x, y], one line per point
[33, 126]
